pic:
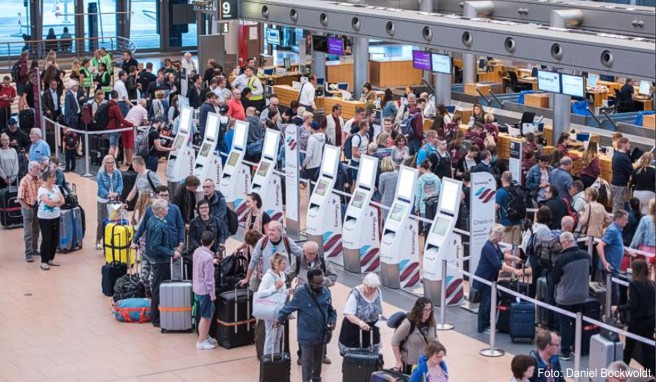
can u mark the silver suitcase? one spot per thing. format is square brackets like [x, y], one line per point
[176, 298]
[602, 353]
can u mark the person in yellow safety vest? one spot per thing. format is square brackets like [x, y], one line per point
[250, 80]
[86, 79]
[104, 80]
[107, 59]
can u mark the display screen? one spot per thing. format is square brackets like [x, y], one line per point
[232, 160]
[406, 182]
[449, 198]
[185, 119]
[421, 60]
[319, 44]
[358, 199]
[212, 127]
[549, 81]
[573, 85]
[367, 173]
[441, 63]
[592, 80]
[322, 187]
[329, 160]
[270, 146]
[273, 36]
[397, 211]
[335, 46]
[440, 227]
[264, 167]
[239, 139]
[179, 142]
[205, 150]
[644, 87]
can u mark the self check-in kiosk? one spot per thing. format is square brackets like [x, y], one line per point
[360, 233]
[324, 213]
[208, 162]
[236, 176]
[443, 244]
[265, 182]
[181, 159]
[399, 246]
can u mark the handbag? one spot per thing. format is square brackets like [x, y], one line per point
[267, 307]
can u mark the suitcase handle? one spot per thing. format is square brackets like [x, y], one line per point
[183, 270]
[282, 339]
[371, 339]
[248, 310]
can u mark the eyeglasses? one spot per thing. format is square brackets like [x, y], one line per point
[208, 186]
[204, 207]
[311, 253]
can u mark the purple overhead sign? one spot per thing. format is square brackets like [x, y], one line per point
[335, 46]
[421, 60]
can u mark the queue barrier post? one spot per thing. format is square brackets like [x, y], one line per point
[609, 293]
[57, 138]
[492, 351]
[442, 325]
[578, 340]
[87, 164]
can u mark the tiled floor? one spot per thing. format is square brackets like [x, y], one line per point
[57, 326]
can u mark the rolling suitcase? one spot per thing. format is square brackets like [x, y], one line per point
[276, 367]
[176, 298]
[235, 323]
[389, 376]
[358, 365]
[522, 321]
[592, 309]
[117, 241]
[98, 148]
[544, 316]
[506, 301]
[602, 352]
[10, 210]
[26, 120]
[129, 178]
[111, 272]
[71, 229]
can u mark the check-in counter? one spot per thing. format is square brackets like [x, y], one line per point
[648, 121]
[339, 72]
[389, 73]
[348, 107]
[493, 76]
[285, 79]
[537, 100]
[286, 94]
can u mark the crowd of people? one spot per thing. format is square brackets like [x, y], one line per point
[103, 95]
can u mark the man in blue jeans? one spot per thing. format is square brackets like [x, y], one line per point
[611, 250]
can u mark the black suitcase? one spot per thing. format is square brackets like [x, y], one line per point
[276, 367]
[389, 376]
[260, 338]
[129, 178]
[235, 323]
[591, 309]
[544, 316]
[110, 273]
[26, 120]
[98, 148]
[358, 365]
[10, 210]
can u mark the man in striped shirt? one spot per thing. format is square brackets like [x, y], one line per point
[27, 197]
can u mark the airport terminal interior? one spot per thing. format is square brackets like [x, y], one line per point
[414, 146]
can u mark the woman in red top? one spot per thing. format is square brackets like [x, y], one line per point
[591, 168]
[7, 96]
[563, 140]
[115, 121]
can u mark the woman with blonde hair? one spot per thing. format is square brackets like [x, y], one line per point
[643, 181]
[644, 238]
[273, 282]
[591, 166]
[110, 187]
[144, 201]
[8, 163]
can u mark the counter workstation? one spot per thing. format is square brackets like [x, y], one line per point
[286, 94]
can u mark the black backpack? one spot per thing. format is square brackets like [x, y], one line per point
[15, 71]
[233, 221]
[102, 116]
[516, 203]
[547, 251]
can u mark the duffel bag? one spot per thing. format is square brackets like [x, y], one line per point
[133, 310]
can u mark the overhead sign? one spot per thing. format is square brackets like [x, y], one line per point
[228, 10]
[223, 27]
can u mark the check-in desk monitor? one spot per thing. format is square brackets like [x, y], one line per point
[208, 162]
[361, 225]
[324, 214]
[266, 183]
[443, 244]
[181, 159]
[399, 246]
[236, 176]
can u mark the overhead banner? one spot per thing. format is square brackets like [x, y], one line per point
[292, 194]
[515, 162]
[482, 200]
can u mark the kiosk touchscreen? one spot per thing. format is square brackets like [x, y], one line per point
[360, 233]
[236, 177]
[324, 213]
[208, 162]
[399, 246]
[265, 182]
[181, 159]
[443, 244]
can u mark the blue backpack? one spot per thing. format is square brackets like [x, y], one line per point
[348, 146]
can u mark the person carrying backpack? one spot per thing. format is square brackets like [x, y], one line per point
[416, 121]
[20, 72]
[428, 187]
[512, 209]
[413, 330]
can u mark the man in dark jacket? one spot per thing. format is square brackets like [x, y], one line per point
[185, 198]
[546, 356]
[128, 61]
[195, 90]
[210, 104]
[72, 106]
[622, 170]
[316, 318]
[159, 251]
[571, 289]
[218, 206]
[484, 165]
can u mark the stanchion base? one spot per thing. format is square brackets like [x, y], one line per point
[492, 352]
[88, 175]
[445, 327]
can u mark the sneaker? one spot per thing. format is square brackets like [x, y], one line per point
[488, 331]
[45, 267]
[564, 357]
[99, 246]
[326, 361]
[53, 264]
[29, 258]
[205, 345]
[211, 340]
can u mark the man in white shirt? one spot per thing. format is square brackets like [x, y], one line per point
[221, 90]
[404, 110]
[355, 121]
[332, 125]
[307, 94]
[137, 116]
[123, 98]
[359, 144]
[188, 64]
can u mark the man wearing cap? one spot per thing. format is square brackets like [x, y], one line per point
[7, 96]
[17, 137]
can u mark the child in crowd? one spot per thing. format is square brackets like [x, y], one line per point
[203, 285]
